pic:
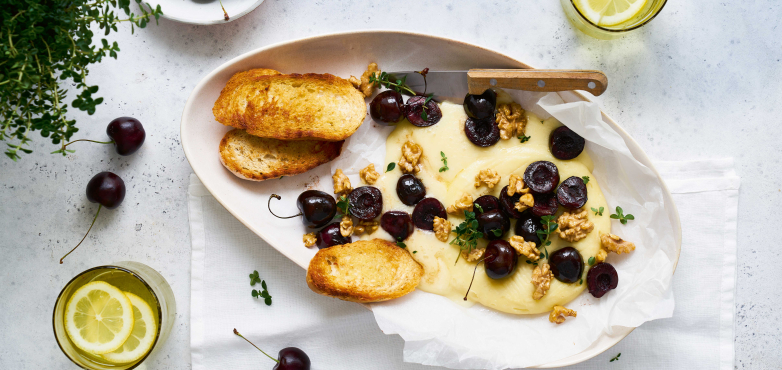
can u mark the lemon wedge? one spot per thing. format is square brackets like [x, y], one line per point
[98, 317]
[142, 337]
[609, 12]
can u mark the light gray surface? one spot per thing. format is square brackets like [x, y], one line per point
[701, 81]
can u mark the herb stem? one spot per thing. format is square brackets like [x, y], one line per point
[85, 235]
[256, 347]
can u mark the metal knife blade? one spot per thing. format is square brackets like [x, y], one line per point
[446, 85]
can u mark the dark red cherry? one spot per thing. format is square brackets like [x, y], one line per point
[493, 224]
[565, 144]
[398, 224]
[566, 265]
[128, 134]
[410, 189]
[107, 189]
[317, 207]
[527, 227]
[414, 111]
[572, 193]
[499, 260]
[483, 133]
[545, 204]
[387, 107]
[541, 176]
[292, 358]
[601, 278]
[366, 202]
[485, 203]
[508, 203]
[425, 212]
[480, 106]
[330, 236]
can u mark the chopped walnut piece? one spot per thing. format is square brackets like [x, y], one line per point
[526, 249]
[541, 279]
[365, 227]
[525, 202]
[601, 255]
[473, 255]
[559, 313]
[341, 183]
[363, 85]
[346, 226]
[411, 155]
[574, 226]
[516, 185]
[463, 204]
[368, 174]
[310, 240]
[489, 177]
[442, 228]
[615, 244]
[511, 120]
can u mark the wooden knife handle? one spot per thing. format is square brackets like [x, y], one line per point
[547, 80]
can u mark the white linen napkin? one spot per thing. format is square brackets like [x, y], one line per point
[342, 335]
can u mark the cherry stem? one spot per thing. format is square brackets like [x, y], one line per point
[256, 347]
[473, 277]
[85, 235]
[92, 141]
[269, 205]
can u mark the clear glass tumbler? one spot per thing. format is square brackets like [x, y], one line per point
[650, 10]
[129, 277]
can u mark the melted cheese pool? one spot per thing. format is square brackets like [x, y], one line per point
[444, 277]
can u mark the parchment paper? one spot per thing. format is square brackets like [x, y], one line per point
[438, 332]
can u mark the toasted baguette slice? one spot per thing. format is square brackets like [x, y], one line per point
[291, 107]
[256, 158]
[365, 271]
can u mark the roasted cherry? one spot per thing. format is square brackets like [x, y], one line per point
[480, 106]
[410, 189]
[508, 203]
[366, 202]
[387, 107]
[572, 193]
[483, 133]
[527, 227]
[566, 265]
[499, 260]
[541, 176]
[545, 204]
[414, 111]
[289, 358]
[106, 189]
[485, 203]
[492, 222]
[330, 236]
[601, 278]
[425, 212]
[317, 207]
[565, 144]
[398, 224]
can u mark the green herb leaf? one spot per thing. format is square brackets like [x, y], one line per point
[478, 207]
[616, 358]
[586, 179]
[445, 162]
[391, 82]
[580, 281]
[497, 232]
[523, 138]
[414, 252]
[621, 216]
[591, 261]
[390, 166]
[467, 234]
[255, 293]
[268, 301]
[400, 244]
[343, 206]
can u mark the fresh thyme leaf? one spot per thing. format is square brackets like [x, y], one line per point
[581, 282]
[428, 98]
[254, 278]
[264, 293]
[621, 216]
[255, 293]
[391, 166]
[391, 82]
[478, 207]
[423, 114]
[598, 212]
[591, 261]
[497, 232]
[414, 252]
[445, 163]
[549, 227]
[524, 139]
[616, 358]
[343, 206]
[586, 179]
[467, 234]
[268, 301]
[400, 244]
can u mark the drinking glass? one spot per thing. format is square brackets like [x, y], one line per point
[644, 16]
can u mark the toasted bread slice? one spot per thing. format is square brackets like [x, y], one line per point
[291, 107]
[365, 271]
[256, 158]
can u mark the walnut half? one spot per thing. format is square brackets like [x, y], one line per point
[341, 183]
[363, 85]
[346, 226]
[511, 120]
[411, 155]
[368, 227]
[574, 226]
[442, 228]
[310, 240]
[463, 204]
[526, 249]
[615, 244]
[473, 255]
[368, 174]
[489, 177]
[541, 279]
[559, 313]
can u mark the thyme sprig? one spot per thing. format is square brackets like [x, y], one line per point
[467, 234]
[445, 162]
[391, 82]
[549, 227]
[621, 216]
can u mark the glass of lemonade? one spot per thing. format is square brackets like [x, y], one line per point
[609, 19]
[114, 316]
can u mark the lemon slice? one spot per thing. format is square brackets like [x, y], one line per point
[609, 12]
[98, 318]
[142, 337]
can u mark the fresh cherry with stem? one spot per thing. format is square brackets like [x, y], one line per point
[108, 190]
[318, 208]
[126, 133]
[289, 358]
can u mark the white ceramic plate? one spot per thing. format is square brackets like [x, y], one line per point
[204, 11]
[340, 54]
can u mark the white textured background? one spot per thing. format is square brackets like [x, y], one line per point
[702, 80]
